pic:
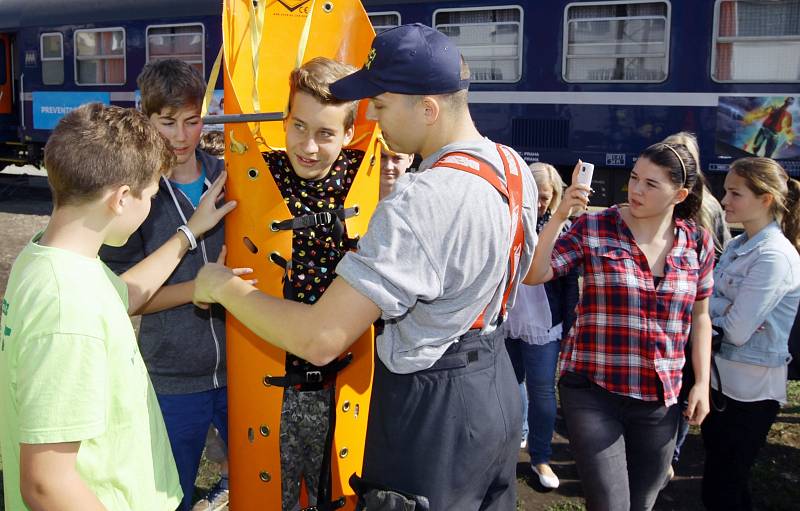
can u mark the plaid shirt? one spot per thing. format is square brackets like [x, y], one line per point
[629, 337]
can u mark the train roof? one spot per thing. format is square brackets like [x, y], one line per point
[16, 14]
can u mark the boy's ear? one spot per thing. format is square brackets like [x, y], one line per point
[431, 109]
[118, 199]
[348, 135]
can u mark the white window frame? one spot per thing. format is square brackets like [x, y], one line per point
[565, 43]
[42, 58]
[124, 55]
[715, 39]
[41, 46]
[175, 25]
[520, 38]
[386, 13]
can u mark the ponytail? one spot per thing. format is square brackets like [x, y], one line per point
[791, 217]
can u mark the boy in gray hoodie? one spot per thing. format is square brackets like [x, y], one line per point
[182, 345]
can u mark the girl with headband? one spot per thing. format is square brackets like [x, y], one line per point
[647, 276]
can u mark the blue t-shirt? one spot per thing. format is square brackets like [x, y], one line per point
[193, 190]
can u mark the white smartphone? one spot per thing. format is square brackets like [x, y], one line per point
[585, 175]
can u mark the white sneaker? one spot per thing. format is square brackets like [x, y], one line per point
[216, 500]
[523, 444]
[547, 478]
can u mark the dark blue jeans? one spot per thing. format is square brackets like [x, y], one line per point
[622, 446]
[536, 365]
[188, 417]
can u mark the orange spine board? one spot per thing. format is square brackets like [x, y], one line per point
[339, 30]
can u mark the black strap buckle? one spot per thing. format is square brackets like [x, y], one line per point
[314, 219]
[301, 376]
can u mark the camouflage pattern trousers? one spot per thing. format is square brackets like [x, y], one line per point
[304, 427]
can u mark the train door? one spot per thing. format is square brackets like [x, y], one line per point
[6, 76]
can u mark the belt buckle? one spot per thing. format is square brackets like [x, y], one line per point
[313, 377]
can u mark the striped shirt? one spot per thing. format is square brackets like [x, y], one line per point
[630, 335]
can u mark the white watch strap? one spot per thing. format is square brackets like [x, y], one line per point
[189, 236]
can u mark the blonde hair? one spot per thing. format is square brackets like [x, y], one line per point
[315, 78]
[766, 176]
[125, 149]
[544, 174]
[710, 211]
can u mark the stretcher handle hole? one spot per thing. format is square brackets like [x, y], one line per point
[267, 377]
[265, 477]
[250, 435]
[346, 406]
[250, 245]
[356, 210]
[327, 7]
[252, 173]
[273, 226]
[264, 430]
[344, 452]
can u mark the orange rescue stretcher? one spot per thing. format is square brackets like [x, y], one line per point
[262, 44]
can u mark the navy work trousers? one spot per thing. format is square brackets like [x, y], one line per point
[449, 433]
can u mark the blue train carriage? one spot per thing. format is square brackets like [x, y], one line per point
[601, 80]
[58, 54]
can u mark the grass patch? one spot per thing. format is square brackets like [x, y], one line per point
[566, 505]
[776, 475]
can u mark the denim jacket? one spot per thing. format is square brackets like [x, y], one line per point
[756, 295]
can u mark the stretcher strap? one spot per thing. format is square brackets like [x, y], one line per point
[314, 219]
[305, 373]
[212, 82]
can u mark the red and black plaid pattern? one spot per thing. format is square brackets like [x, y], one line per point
[629, 336]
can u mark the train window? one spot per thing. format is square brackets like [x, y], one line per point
[490, 39]
[756, 41]
[184, 42]
[100, 56]
[616, 42]
[384, 20]
[51, 48]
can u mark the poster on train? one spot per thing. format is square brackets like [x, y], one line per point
[759, 126]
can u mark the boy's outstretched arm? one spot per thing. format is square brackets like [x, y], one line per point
[175, 295]
[317, 333]
[49, 481]
[146, 277]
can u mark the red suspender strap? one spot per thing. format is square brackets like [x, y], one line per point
[512, 192]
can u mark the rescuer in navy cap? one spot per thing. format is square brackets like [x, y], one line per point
[409, 59]
[438, 265]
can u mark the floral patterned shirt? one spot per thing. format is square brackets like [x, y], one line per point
[315, 250]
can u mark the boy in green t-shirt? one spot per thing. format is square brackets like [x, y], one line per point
[81, 426]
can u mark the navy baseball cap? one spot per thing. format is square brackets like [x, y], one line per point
[409, 59]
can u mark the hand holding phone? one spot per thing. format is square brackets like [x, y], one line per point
[585, 175]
